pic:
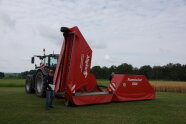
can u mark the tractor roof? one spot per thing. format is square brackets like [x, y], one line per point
[49, 55]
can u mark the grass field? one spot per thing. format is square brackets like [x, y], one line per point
[12, 83]
[18, 107]
[21, 108]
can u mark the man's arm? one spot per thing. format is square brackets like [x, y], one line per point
[46, 83]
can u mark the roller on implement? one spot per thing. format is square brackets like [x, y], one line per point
[74, 82]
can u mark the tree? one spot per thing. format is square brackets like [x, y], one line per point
[183, 75]
[135, 71]
[97, 71]
[2, 75]
[157, 73]
[112, 68]
[146, 70]
[105, 72]
[124, 69]
[25, 73]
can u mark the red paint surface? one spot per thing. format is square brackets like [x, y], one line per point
[132, 87]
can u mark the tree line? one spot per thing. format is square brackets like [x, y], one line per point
[21, 75]
[2, 75]
[176, 72]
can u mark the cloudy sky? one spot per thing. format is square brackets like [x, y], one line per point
[138, 32]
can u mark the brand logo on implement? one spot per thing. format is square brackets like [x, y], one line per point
[81, 64]
[134, 79]
[86, 66]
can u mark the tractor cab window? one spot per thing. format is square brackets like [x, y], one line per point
[53, 61]
[46, 61]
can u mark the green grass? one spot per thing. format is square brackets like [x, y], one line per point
[103, 82]
[12, 82]
[16, 107]
[21, 82]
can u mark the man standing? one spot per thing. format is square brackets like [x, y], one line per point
[111, 76]
[49, 90]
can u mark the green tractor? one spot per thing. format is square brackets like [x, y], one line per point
[35, 81]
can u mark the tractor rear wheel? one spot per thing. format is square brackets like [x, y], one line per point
[39, 84]
[28, 85]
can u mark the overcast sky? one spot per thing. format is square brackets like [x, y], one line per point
[138, 32]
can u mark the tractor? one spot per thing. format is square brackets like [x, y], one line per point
[35, 81]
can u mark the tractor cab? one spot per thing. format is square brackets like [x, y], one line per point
[46, 61]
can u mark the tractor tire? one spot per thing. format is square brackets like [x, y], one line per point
[28, 85]
[39, 84]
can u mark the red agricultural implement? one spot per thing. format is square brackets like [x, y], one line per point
[77, 85]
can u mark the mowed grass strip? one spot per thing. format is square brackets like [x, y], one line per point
[17, 107]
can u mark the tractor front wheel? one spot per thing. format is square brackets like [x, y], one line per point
[39, 84]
